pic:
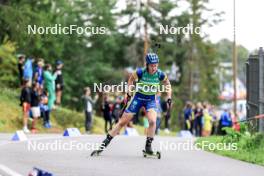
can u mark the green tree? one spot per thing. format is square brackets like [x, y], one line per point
[200, 79]
[8, 64]
[225, 53]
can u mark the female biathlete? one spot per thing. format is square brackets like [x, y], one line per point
[147, 81]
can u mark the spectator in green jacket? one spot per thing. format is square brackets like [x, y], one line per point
[49, 85]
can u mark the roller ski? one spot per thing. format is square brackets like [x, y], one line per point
[153, 154]
[96, 152]
[104, 144]
[148, 152]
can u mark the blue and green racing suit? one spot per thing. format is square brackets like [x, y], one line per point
[147, 86]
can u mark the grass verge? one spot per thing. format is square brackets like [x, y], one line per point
[249, 148]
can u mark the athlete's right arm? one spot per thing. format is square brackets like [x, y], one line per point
[130, 83]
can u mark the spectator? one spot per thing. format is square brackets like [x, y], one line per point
[145, 121]
[49, 85]
[135, 119]
[165, 108]
[117, 109]
[21, 61]
[44, 110]
[225, 121]
[107, 114]
[159, 113]
[88, 108]
[35, 100]
[25, 100]
[192, 129]
[212, 113]
[207, 125]
[188, 117]
[235, 122]
[198, 114]
[59, 84]
[28, 70]
[38, 75]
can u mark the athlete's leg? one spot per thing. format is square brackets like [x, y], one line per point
[132, 107]
[152, 117]
[125, 119]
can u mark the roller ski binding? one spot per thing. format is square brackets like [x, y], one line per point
[153, 154]
[148, 150]
[96, 152]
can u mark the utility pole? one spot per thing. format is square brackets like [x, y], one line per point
[191, 72]
[145, 39]
[234, 60]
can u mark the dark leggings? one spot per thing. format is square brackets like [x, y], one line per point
[198, 126]
[167, 121]
[45, 115]
[108, 119]
[88, 121]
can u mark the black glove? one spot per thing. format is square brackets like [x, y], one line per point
[169, 101]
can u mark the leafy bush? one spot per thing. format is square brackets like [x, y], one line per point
[232, 135]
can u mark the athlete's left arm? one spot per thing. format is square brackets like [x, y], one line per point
[166, 83]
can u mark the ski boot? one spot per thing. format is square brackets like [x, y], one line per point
[104, 144]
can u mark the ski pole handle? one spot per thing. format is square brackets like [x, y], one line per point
[169, 101]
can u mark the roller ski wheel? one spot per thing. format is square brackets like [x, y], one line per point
[96, 153]
[154, 154]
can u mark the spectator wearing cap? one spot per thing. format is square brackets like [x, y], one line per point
[59, 84]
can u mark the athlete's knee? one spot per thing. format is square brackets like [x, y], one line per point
[122, 123]
[152, 117]
[124, 120]
[152, 122]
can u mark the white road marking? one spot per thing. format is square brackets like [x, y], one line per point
[9, 171]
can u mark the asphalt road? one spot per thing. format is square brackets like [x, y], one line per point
[70, 156]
